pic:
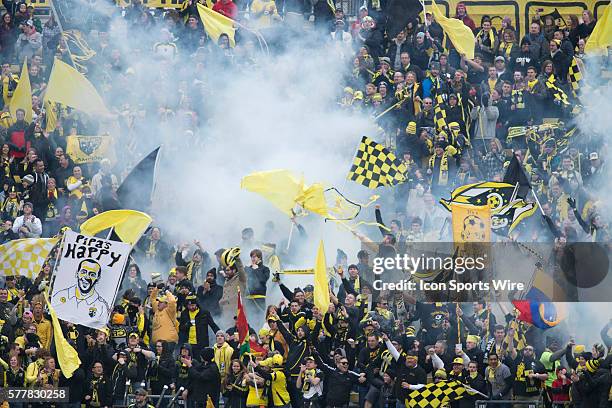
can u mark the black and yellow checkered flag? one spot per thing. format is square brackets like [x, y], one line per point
[374, 165]
[436, 394]
[440, 113]
[557, 93]
[575, 75]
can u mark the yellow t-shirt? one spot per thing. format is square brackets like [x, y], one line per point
[492, 83]
[193, 338]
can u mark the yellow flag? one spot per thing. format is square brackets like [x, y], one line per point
[284, 190]
[321, 282]
[90, 149]
[280, 187]
[22, 98]
[129, 225]
[216, 24]
[67, 356]
[460, 35]
[51, 114]
[471, 223]
[601, 37]
[70, 87]
[313, 200]
[209, 4]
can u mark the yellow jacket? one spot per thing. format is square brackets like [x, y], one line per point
[280, 395]
[262, 13]
[44, 330]
[165, 325]
[256, 397]
[31, 374]
[223, 358]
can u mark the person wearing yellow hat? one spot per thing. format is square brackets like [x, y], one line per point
[439, 375]
[235, 281]
[458, 371]
[164, 317]
[473, 351]
[271, 370]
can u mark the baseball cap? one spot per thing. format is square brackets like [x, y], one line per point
[593, 156]
[457, 360]
[141, 391]
[29, 23]
[420, 34]
[500, 58]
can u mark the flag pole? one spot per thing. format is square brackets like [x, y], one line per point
[254, 380]
[537, 202]
[290, 234]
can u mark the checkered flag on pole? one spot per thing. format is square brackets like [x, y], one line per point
[374, 166]
[437, 394]
[25, 257]
[575, 75]
[440, 113]
[558, 94]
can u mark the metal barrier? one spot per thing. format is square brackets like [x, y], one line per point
[153, 399]
[494, 403]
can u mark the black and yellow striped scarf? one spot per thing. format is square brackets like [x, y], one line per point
[517, 99]
[410, 92]
[443, 177]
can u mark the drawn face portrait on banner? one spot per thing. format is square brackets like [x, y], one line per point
[87, 278]
[88, 275]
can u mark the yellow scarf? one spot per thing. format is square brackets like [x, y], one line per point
[492, 371]
[506, 49]
[531, 84]
[490, 37]
[443, 178]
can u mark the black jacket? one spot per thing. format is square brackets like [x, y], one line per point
[237, 394]
[204, 381]
[210, 300]
[594, 388]
[257, 280]
[561, 63]
[392, 51]
[161, 372]
[338, 384]
[103, 389]
[298, 349]
[202, 320]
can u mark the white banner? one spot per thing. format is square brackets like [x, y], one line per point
[87, 278]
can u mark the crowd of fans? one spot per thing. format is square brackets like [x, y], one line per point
[375, 346]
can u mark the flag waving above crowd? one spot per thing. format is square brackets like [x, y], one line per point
[186, 206]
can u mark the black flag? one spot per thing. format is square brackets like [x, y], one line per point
[516, 174]
[136, 190]
[400, 13]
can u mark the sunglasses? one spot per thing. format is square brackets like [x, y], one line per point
[344, 362]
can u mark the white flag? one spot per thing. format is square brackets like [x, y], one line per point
[87, 278]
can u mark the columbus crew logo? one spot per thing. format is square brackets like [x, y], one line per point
[474, 229]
